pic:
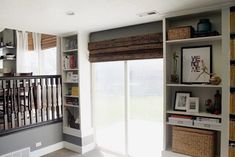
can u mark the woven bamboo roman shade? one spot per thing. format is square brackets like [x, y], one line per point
[130, 48]
[48, 41]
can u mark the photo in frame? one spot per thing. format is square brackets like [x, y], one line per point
[192, 105]
[181, 99]
[196, 64]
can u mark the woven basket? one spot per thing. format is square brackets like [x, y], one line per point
[194, 142]
[180, 33]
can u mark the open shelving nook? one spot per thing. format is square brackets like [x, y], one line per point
[220, 64]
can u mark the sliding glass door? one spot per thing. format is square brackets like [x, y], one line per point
[128, 107]
[109, 106]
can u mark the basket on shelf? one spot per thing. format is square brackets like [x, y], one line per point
[194, 142]
[184, 32]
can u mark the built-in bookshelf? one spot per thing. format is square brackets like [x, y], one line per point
[70, 78]
[204, 119]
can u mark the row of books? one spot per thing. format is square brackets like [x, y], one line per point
[232, 75]
[71, 101]
[232, 130]
[232, 103]
[73, 91]
[232, 21]
[70, 61]
[232, 150]
[232, 46]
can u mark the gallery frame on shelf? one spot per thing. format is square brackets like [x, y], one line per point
[196, 64]
[192, 105]
[181, 99]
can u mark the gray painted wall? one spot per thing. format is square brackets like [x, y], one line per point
[48, 135]
[147, 28]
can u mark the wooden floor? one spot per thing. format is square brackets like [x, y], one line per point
[68, 153]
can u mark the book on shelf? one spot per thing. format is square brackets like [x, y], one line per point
[209, 120]
[232, 103]
[71, 77]
[72, 101]
[232, 21]
[232, 130]
[232, 48]
[74, 91]
[232, 75]
[70, 61]
[181, 116]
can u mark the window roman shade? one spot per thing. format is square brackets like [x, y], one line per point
[48, 41]
[30, 41]
[130, 48]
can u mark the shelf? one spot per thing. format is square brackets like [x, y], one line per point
[194, 85]
[192, 126]
[194, 40]
[70, 82]
[169, 153]
[201, 114]
[71, 96]
[72, 50]
[70, 69]
[76, 106]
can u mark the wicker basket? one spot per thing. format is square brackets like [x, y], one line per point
[180, 33]
[194, 142]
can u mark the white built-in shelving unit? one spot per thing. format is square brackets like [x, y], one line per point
[220, 65]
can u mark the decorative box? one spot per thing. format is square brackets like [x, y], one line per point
[209, 125]
[193, 142]
[182, 121]
[180, 33]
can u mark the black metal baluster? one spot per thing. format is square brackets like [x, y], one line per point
[5, 114]
[18, 102]
[11, 98]
[41, 97]
[24, 102]
[35, 99]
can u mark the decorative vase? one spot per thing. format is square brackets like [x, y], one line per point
[204, 25]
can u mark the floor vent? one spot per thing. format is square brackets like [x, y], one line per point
[20, 153]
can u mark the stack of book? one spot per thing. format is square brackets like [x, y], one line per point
[232, 103]
[232, 21]
[232, 46]
[232, 130]
[72, 101]
[70, 61]
[232, 75]
[212, 123]
[180, 119]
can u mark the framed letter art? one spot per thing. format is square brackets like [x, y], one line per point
[196, 64]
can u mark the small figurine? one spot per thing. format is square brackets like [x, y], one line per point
[210, 106]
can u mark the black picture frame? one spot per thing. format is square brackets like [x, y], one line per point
[180, 103]
[196, 64]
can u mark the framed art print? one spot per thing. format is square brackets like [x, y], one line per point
[192, 105]
[181, 99]
[196, 64]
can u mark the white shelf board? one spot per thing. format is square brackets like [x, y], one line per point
[72, 50]
[71, 96]
[194, 40]
[193, 85]
[192, 126]
[70, 69]
[200, 114]
[71, 131]
[67, 105]
[70, 82]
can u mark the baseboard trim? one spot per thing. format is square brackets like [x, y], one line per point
[72, 147]
[88, 147]
[47, 150]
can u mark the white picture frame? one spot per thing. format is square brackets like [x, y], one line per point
[192, 105]
[181, 99]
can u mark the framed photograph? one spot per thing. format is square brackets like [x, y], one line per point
[196, 64]
[192, 105]
[181, 99]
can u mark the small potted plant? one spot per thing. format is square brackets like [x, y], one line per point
[174, 76]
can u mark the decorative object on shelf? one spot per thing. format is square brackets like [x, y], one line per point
[192, 105]
[196, 64]
[210, 106]
[175, 76]
[204, 28]
[181, 100]
[204, 25]
[75, 91]
[184, 32]
[215, 80]
[217, 101]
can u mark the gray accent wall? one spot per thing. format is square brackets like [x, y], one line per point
[47, 135]
[147, 28]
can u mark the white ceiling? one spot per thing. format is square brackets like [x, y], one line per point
[48, 16]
